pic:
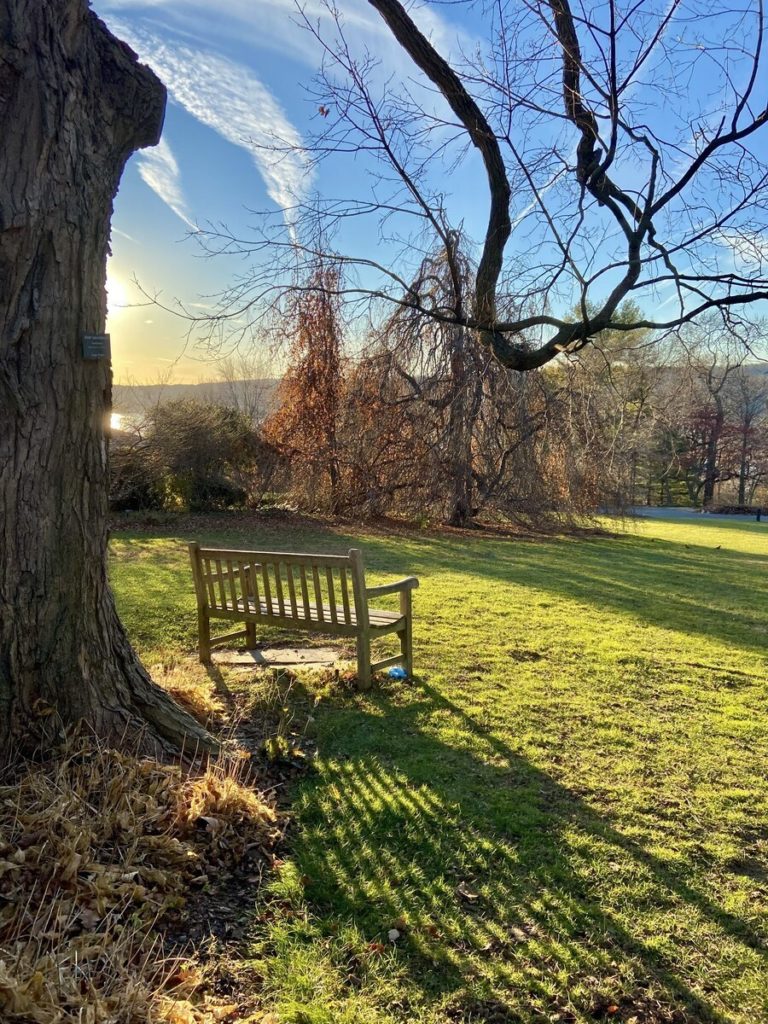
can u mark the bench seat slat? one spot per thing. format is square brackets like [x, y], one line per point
[345, 595]
[279, 589]
[222, 584]
[304, 592]
[376, 617]
[331, 595]
[265, 578]
[254, 588]
[232, 584]
[208, 578]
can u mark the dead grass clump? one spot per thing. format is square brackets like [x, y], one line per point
[98, 854]
[193, 690]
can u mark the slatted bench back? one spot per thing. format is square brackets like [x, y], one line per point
[318, 590]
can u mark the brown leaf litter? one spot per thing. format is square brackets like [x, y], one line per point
[103, 854]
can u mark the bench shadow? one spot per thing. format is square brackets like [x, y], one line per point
[216, 676]
[491, 859]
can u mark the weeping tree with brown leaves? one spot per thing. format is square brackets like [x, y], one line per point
[480, 441]
[74, 104]
[433, 370]
[305, 427]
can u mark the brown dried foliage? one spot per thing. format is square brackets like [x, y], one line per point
[304, 427]
[99, 852]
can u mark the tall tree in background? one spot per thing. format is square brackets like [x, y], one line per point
[746, 407]
[440, 364]
[617, 399]
[74, 104]
[305, 425]
[713, 358]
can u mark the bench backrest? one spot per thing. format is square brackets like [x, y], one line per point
[282, 585]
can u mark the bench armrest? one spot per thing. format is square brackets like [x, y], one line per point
[409, 583]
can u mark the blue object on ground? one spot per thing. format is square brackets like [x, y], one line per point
[397, 673]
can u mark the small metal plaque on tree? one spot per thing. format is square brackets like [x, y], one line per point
[96, 346]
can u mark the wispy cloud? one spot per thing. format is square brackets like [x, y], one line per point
[273, 25]
[159, 169]
[230, 99]
[749, 249]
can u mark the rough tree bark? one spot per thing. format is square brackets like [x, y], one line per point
[74, 104]
[466, 387]
[712, 451]
[743, 467]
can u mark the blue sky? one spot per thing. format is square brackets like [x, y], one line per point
[237, 75]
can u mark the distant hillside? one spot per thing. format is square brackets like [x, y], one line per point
[257, 397]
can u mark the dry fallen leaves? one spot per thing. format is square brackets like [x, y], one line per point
[97, 850]
[466, 893]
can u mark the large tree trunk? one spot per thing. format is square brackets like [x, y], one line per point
[74, 104]
[744, 462]
[712, 453]
[466, 388]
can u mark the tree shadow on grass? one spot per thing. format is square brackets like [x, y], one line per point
[721, 594]
[496, 874]
[715, 592]
[718, 594]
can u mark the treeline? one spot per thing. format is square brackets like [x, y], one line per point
[422, 423]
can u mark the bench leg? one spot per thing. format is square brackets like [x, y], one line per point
[406, 636]
[406, 650]
[363, 662]
[204, 636]
[250, 635]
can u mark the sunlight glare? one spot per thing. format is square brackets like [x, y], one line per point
[117, 294]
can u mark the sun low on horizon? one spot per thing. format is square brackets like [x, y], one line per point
[117, 295]
[149, 343]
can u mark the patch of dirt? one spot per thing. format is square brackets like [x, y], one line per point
[274, 520]
[481, 1011]
[271, 657]
[638, 1008]
[522, 654]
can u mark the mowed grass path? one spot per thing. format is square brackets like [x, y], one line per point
[565, 817]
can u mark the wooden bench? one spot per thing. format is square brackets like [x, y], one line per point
[318, 593]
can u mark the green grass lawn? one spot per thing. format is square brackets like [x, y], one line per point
[565, 816]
